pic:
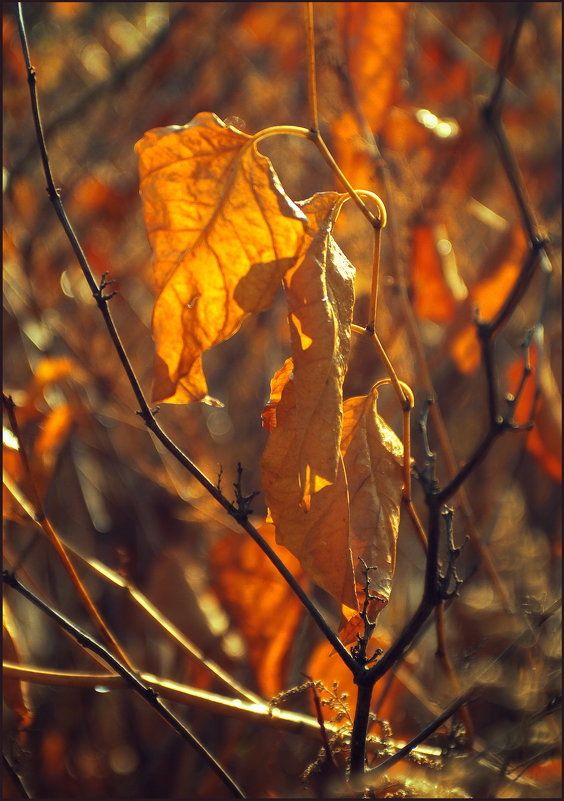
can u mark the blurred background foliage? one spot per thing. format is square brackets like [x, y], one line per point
[415, 76]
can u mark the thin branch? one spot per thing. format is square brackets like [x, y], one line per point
[443, 657]
[311, 77]
[133, 680]
[469, 694]
[119, 76]
[492, 112]
[258, 712]
[451, 709]
[145, 412]
[37, 514]
[476, 459]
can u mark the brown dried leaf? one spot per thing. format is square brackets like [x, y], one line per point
[302, 471]
[373, 458]
[317, 537]
[223, 234]
[320, 295]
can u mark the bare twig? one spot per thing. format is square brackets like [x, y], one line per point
[133, 679]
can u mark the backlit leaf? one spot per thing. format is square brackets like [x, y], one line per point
[223, 234]
[488, 295]
[302, 471]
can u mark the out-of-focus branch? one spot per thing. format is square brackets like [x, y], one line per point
[37, 514]
[133, 679]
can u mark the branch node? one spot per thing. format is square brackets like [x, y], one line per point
[241, 506]
[449, 581]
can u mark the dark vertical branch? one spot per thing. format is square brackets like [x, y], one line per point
[360, 727]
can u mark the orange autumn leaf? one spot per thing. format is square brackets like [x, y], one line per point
[53, 434]
[352, 151]
[432, 298]
[488, 295]
[223, 234]
[374, 38]
[264, 607]
[302, 471]
[373, 458]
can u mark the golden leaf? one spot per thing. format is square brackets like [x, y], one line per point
[223, 233]
[302, 471]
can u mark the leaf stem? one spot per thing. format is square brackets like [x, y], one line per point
[311, 77]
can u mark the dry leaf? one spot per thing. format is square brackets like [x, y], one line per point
[223, 234]
[263, 606]
[320, 295]
[302, 471]
[318, 537]
[488, 295]
[373, 458]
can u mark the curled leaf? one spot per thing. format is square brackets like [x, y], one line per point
[302, 470]
[223, 234]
